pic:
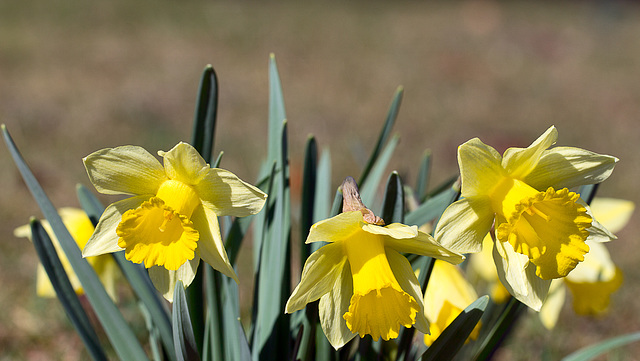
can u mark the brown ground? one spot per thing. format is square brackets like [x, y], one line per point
[76, 77]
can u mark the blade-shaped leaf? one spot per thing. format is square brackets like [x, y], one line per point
[447, 345]
[369, 187]
[183, 338]
[119, 333]
[591, 352]
[67, 296]
[423, 176]
[392, 115]
[204, 123]
[393, 205]
[433, 207]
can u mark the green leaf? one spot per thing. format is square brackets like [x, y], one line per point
[117, 330]
[384, 134]
[136, 274]
[422, 182]
[591, 352]
[204, 123]
[322, 205]
[277, 113]
[307, 206]
[393, 206]
[215, 315]
[183, 338]
[498, 331]
[67, 296]
[447, 345]
[270, 332]
[369, 187]
[236, 345]
[432, 209]
[588, 192]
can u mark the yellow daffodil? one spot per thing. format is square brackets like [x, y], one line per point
[481, 268]
[80, 227]
[448, 294]
[540, 226]
[365, 285]
[593, 281]
[170, 222]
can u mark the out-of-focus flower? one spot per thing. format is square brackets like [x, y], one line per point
[171, 220]
[593, 281]
[80, 227]
[540, 226]
[448, 294]
[365, 285]
[482, 267]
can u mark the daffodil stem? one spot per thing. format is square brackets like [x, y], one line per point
[196, 306]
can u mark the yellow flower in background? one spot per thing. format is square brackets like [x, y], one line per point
[540, 226]
[81, 228]
[593, 281]
[364, 283]
[448, 294]
[170, 222]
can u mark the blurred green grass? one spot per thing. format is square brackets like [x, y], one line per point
[79, 76]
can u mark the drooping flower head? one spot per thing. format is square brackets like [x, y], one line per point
[448, 294]
[170, 222]
[540, 225]
[365, 285]
[80, 228]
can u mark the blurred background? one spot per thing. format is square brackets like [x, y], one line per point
[79, 76]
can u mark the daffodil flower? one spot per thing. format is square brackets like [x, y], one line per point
[170, 222]
[593, 281]
[364, 283]
[448, 294]
[80, 228]
[540, 225]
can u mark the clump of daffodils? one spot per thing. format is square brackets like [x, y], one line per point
[523, 198]
[364, 283]
[170, 221]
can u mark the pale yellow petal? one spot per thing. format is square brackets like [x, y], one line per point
[227, 195]
[408, 281]
[210, 245]
[612, 213]
[337, 228]
[519, 276]
[464, 224]
[320, 274]
[394, 230]
[597, 231]
[184, 163]
[551, 308]
[597, 265]
[424, 245]
[519, 162]
[567, 167]
[104, 239]
[124, 170]
[333, 306]
[480, 167]
[165, 280]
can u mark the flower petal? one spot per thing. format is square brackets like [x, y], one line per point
[184, 163]
[105, 239]
[423, 244]
[337, 228]
[464, 224]
[333, 306]
[227, 195]
[612, 213]
[519, 276]
[566, 167]
[165, 280]
[124, 170]
[597, 232]
[394, 230]
[519, 162]
[320, 274]
[551, 308]
[210, 245]
[480, 167]
[407, 279]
